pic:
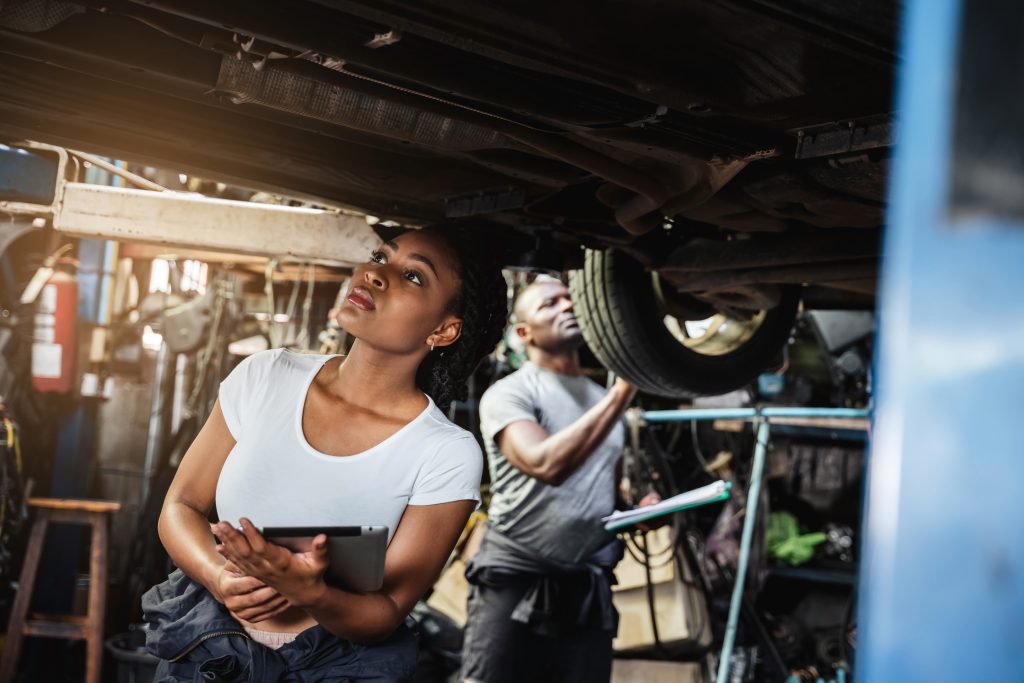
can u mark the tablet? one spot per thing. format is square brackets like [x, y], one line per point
[356, 553]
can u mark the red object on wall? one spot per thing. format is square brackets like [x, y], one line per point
[53, 346]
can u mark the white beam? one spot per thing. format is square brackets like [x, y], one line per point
[182, 220]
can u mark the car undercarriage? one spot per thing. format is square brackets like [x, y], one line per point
[722, 161]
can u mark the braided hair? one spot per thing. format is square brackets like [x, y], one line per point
[482, 304]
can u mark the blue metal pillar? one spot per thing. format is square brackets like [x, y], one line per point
[76, 436]
[942, 577]
[73, 457]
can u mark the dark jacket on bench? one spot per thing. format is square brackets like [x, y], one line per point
[197, 639]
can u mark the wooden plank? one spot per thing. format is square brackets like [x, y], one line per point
[52, 629]
[97, 598]
[651, 671]
[844, 423]
[848, 423]
[58, 618]
[22, 600]
[729, 425]
[286, 271]
[81, 505]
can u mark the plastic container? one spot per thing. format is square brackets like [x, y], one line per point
[770, 386]
[134, 664]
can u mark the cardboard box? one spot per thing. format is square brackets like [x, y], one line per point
[680, 609]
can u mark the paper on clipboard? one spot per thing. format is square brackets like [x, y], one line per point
[712, 493]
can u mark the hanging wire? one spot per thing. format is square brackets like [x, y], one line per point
[293, 300]
[307, 306]
[696, 445]
[206, 353]
[684, 556]
[268, 289]
[644, 557]
[673, 441]
[651, 608]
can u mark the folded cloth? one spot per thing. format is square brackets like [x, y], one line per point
[502, 560]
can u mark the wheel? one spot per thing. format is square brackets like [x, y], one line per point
[628, 324]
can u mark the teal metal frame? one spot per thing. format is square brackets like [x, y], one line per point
[761, 418]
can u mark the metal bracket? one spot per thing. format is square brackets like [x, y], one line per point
[478, 203]
[840, 138]
[64, 168]
[179, 219]
[188, 220]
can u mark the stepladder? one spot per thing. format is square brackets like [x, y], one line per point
[88, 627]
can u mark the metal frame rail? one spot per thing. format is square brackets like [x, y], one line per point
[186, 220]
[761, 417]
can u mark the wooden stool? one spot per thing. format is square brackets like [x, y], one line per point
[89, 628]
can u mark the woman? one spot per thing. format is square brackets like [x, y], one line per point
[305, 440]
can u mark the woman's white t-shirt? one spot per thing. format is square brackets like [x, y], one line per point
[275, 477]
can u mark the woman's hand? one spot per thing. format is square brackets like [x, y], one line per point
[296, 576]
[247, 598]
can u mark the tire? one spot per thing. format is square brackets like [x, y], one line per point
[622, 323]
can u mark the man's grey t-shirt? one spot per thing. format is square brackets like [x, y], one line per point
[557, 522]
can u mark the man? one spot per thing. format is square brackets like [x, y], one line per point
[540, 599]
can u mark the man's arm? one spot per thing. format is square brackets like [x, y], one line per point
[552, 458]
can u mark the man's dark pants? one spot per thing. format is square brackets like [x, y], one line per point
[499, 650]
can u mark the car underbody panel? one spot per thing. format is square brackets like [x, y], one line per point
[734, 147]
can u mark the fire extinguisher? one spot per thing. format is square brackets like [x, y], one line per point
[53, 346]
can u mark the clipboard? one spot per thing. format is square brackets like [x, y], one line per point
[712, 493]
